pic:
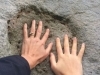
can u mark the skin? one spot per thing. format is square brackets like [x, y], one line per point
[33, 48]
[68, 63]
[34, 51]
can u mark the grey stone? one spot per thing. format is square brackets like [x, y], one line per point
[80, 18]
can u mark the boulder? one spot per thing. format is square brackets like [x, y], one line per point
[79, 18]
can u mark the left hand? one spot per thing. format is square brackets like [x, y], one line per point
[69, 62]
[33, 48]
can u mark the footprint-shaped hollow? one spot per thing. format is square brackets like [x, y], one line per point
[57, 25]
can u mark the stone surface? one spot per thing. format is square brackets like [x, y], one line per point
[78, 18]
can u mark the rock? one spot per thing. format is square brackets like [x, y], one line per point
[78, 18]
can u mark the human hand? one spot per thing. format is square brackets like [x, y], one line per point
[68, 63]
[33, 48]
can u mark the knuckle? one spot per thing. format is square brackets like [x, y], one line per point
[46, 35]
[39, 31]
[42, 42]
[46, 53]
[58, 46]
[25, 30]
[26, 40]
[37, 39]
[61, 55]
[52, 66]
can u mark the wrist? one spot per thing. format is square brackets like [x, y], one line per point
[30, 61]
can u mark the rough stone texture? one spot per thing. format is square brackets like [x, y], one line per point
[78, 18]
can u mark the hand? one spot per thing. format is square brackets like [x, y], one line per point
[68, 63]
[33, 48]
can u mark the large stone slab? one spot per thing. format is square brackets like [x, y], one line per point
[78, 18]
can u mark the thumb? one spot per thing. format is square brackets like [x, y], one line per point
[52, 60]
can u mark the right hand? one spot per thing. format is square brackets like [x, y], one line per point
[68, 63]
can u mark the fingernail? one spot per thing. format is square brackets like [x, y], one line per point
[47, 29]
[33, 20]
[40, 22]
[66, 35]
[74, 38]
[25, 24]
[58, 38]
[83, 43]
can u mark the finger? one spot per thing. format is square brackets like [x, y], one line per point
[45, 37]
[74, 47]
[81, 52]
[26, 49]
[25, 31]
[33, 28]
[47, 51]
[49, 48]
[66, 45]
[52, 60]
[23, 49]
[39, 30]
[58, 46]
